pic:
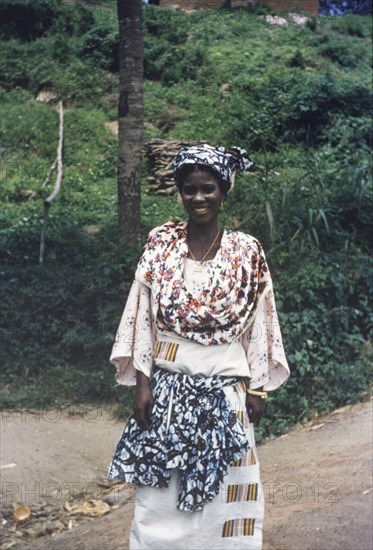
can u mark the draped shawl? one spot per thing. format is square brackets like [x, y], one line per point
[220, 313]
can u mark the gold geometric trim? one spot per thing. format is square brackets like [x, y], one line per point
[243, 417]
[248, 460]
[240, 415]
[242, 492]
[241, 527]
[165, 350]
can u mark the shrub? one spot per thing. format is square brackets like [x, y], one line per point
[168, 54]
[27, 19]
[101, 45]
[32, 19]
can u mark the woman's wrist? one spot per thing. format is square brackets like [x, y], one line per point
[260, 388]
[257, 392]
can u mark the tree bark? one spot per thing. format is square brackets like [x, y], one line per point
[130, 119]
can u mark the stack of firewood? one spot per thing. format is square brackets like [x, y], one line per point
[160, 153]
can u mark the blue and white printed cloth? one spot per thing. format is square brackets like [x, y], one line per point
[194, 429]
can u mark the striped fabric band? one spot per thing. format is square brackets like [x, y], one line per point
[242, 492]
[165, 350]
[248, 460]
[244, 418]
[238, 527]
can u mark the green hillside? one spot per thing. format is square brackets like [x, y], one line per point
[298, 97]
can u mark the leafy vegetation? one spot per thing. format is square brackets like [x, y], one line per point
[297, 97]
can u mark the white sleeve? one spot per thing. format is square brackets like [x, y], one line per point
[133, 346]
[262, 342]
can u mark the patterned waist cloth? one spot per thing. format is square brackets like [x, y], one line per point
[194, 429]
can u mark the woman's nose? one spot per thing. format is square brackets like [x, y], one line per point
[198, 197]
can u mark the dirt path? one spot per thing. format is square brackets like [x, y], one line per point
[317, 478]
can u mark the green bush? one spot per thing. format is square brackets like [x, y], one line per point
[17, 64]
[32, 19]
[289, 107]
[101, 45]
[353, 25]
[50, 62]
[27, 19]
[168, 54]
[338, 51]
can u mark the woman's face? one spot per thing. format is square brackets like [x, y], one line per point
[201, 196]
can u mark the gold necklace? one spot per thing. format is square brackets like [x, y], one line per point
[198, 268]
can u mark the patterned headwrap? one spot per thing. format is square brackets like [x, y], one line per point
[223, 160]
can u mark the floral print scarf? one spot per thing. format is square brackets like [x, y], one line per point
[220, 312]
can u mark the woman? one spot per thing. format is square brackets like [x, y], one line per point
[200, 338]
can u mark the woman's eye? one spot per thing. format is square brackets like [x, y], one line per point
[207, 189]
[189, 190]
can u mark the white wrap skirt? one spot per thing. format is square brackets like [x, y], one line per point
[232, 521]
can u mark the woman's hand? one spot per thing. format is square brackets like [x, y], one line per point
[255, 406]
[143, 403]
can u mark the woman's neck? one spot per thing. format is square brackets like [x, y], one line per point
[203, 240]
[203, 233]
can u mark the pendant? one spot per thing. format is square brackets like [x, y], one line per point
[197, 269]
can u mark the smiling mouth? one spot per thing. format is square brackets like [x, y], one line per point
[200, 210]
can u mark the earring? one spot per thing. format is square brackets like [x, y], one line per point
[221, 205]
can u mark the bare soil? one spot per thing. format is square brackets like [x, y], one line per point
[317, 478]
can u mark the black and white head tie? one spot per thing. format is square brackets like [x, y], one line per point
[223, 160]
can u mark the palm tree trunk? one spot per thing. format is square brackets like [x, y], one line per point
[130, 114]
